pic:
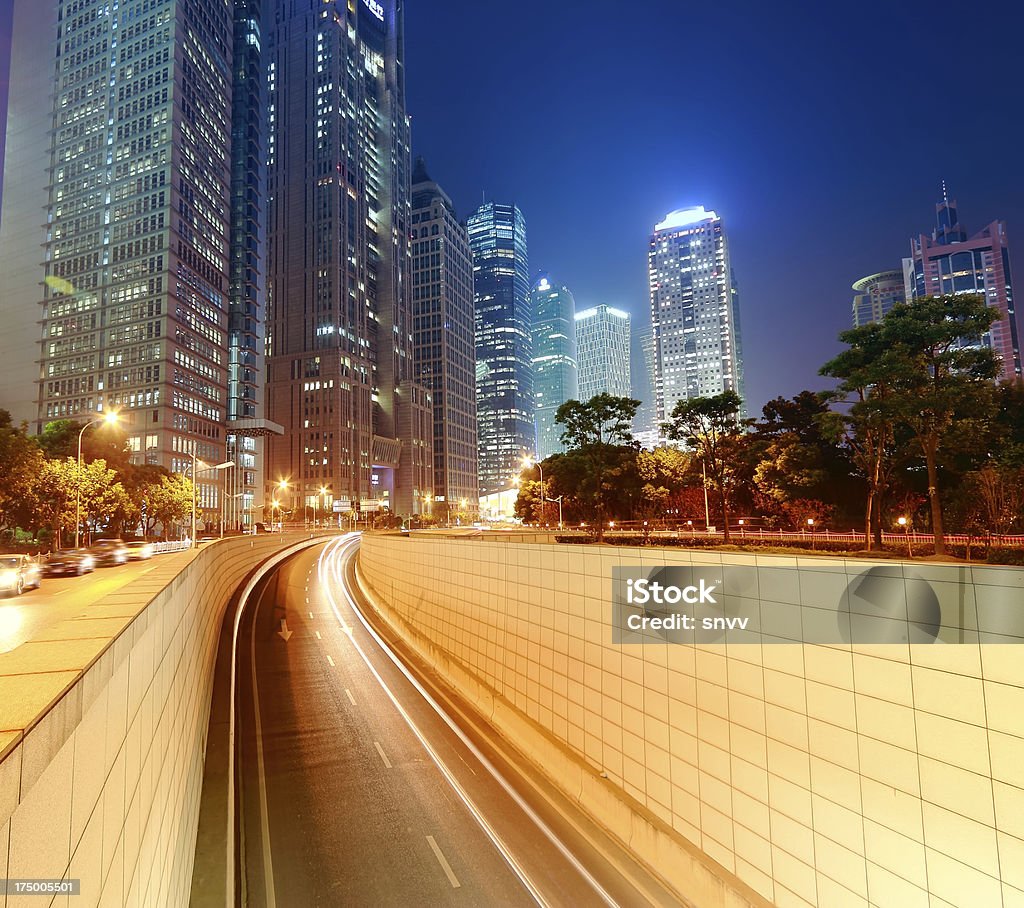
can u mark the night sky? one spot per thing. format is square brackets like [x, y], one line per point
[820, 132]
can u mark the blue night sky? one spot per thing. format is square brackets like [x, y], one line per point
[820, 132]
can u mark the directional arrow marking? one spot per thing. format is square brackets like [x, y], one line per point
[284, 633]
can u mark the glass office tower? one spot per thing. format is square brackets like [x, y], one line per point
[602, 346]
[555, 371]
[136, 205]
[443, 335]
[339, 341]
[645, 428]
[504, 374]
[694, 310]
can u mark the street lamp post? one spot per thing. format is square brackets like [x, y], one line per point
[195, 490]
[810, 526]
[282, 485]
[559, 500]
[531, 462]
[110, 417]
[905, 524]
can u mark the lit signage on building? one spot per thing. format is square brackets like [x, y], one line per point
[376, 8]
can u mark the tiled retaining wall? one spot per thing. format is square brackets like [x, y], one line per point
[825, 775]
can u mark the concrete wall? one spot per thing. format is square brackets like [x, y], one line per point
[831, 775]
[104, 732]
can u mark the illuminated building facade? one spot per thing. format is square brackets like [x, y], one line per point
[132, 179]
[645, 426]
[504, 373]
[875, 295]
[950, 261]
[555, 371]
[602, 346]
[443, 335]
[341, 378]
[694, 310]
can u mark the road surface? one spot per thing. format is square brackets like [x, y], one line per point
[362, 793]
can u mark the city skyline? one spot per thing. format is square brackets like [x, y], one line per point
[786, 169]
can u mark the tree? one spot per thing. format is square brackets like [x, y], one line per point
[867, 427]
[141, 482]
[711, 426]
[938, 379]
[598, 432]
[21, 461]
[59, 485]
[109, 443]
[665, 473]
[792, 456]
[170, 501]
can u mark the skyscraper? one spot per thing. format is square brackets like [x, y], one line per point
[443, 336]
[951, 262]
[641, 367]
[504, 374]
[132, 179]
[555, 371]
[246, 287]
[875, 295]
[694, 310]
[339, 345]
[602, 346]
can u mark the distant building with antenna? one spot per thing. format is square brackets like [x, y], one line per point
[950, 261]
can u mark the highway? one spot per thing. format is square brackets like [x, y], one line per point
[364, 782]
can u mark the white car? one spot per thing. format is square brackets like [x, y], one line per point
[19, 573]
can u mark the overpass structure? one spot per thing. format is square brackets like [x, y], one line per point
[796, 770]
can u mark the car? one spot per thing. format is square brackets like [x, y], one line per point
[18, 573]
[139, 549]
[109, 551]
[68, 561]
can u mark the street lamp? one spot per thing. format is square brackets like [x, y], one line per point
[282, 485]
[903, 522]
[323, 492]
[530, 462]
[110, 417]
[195, 489]
[559, 500]
[810, 526]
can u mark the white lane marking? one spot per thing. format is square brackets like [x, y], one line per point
[310, 614]
[329, 659]
[501, 847]
[268, 869]
[443, 861]
[230, 836]
[318, 637]
[383, 756]
[351, 699]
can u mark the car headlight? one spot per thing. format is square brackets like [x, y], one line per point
[8, 577]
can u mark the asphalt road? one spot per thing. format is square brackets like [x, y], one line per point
[362, 793]
[25, 617]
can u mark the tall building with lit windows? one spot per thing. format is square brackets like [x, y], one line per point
[875, 295]
[602, 348]
[694, 310]
[950, 261]
[504, 372]
[340, 370]
[121, 130]
[443, 338]
[555, 370]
